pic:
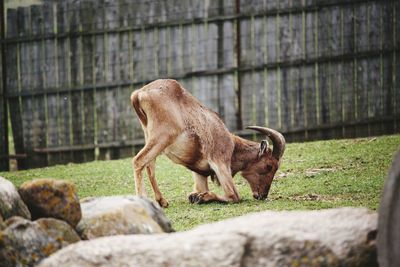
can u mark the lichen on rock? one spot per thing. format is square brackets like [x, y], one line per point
[52, 198]
[25, 243]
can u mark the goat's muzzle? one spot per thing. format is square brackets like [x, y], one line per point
[262, 196]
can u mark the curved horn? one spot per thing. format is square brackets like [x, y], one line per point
[276, 137]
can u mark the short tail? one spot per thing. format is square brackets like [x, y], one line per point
[136, 105]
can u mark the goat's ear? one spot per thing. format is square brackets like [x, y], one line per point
[263, 147]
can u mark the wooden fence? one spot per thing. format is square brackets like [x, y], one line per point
[311, 69]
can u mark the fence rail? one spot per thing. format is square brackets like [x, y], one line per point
[311, 69]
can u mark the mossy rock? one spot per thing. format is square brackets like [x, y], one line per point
[25, 243]
[52, 198]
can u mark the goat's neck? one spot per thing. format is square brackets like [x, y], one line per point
[245, 152]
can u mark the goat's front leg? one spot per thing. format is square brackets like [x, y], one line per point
[225, 178]
[200, 186]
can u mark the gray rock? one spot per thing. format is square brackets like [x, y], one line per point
[59, 230]
[337, 237]
[389, 218]
[52, 198]
[116, 215]
[155, 212]
[153, 250]
[11, 203]
[25, 243]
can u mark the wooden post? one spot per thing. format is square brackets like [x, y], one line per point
[75, 26]
[53, 132]
[37, 74]
[87, 77]
[4, 163]
[16, 27]
[239, 121]
[103, 131]
[63, 80]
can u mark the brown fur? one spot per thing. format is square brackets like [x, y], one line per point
[178, 125]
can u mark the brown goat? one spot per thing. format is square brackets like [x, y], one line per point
[178, 125]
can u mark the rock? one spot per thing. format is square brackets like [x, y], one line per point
[153, 250]
[117, 215]
[25, 243]
[155, 212]
[389, 218]
[337, 237]
[59, 230]
[52, 198]
[2, 225]
[11, 203]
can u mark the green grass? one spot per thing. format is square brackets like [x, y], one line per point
[313, 175]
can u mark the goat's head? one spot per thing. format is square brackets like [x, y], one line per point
[260, 172]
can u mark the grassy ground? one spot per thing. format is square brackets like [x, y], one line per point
[314, 175]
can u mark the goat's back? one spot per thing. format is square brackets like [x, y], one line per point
[166, 104]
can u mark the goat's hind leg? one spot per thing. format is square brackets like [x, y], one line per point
[150, 168]
[149, 152]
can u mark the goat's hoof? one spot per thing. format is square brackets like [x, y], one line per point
[204, 198]
[163, 203]
[193, 197]
[200, 198]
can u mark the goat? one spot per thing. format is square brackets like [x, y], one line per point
[177, 124]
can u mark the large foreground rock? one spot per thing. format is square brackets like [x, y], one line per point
[11, 203]
[389, 218]
[25, 243]
[338, 237]
[52, 198]
[116, 215]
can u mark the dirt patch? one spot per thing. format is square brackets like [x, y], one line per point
[309, 197]
[363, 140]
[313, 197]
[315, 171]
[312, 172]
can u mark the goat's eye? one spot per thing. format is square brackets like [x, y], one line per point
[266, 170]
